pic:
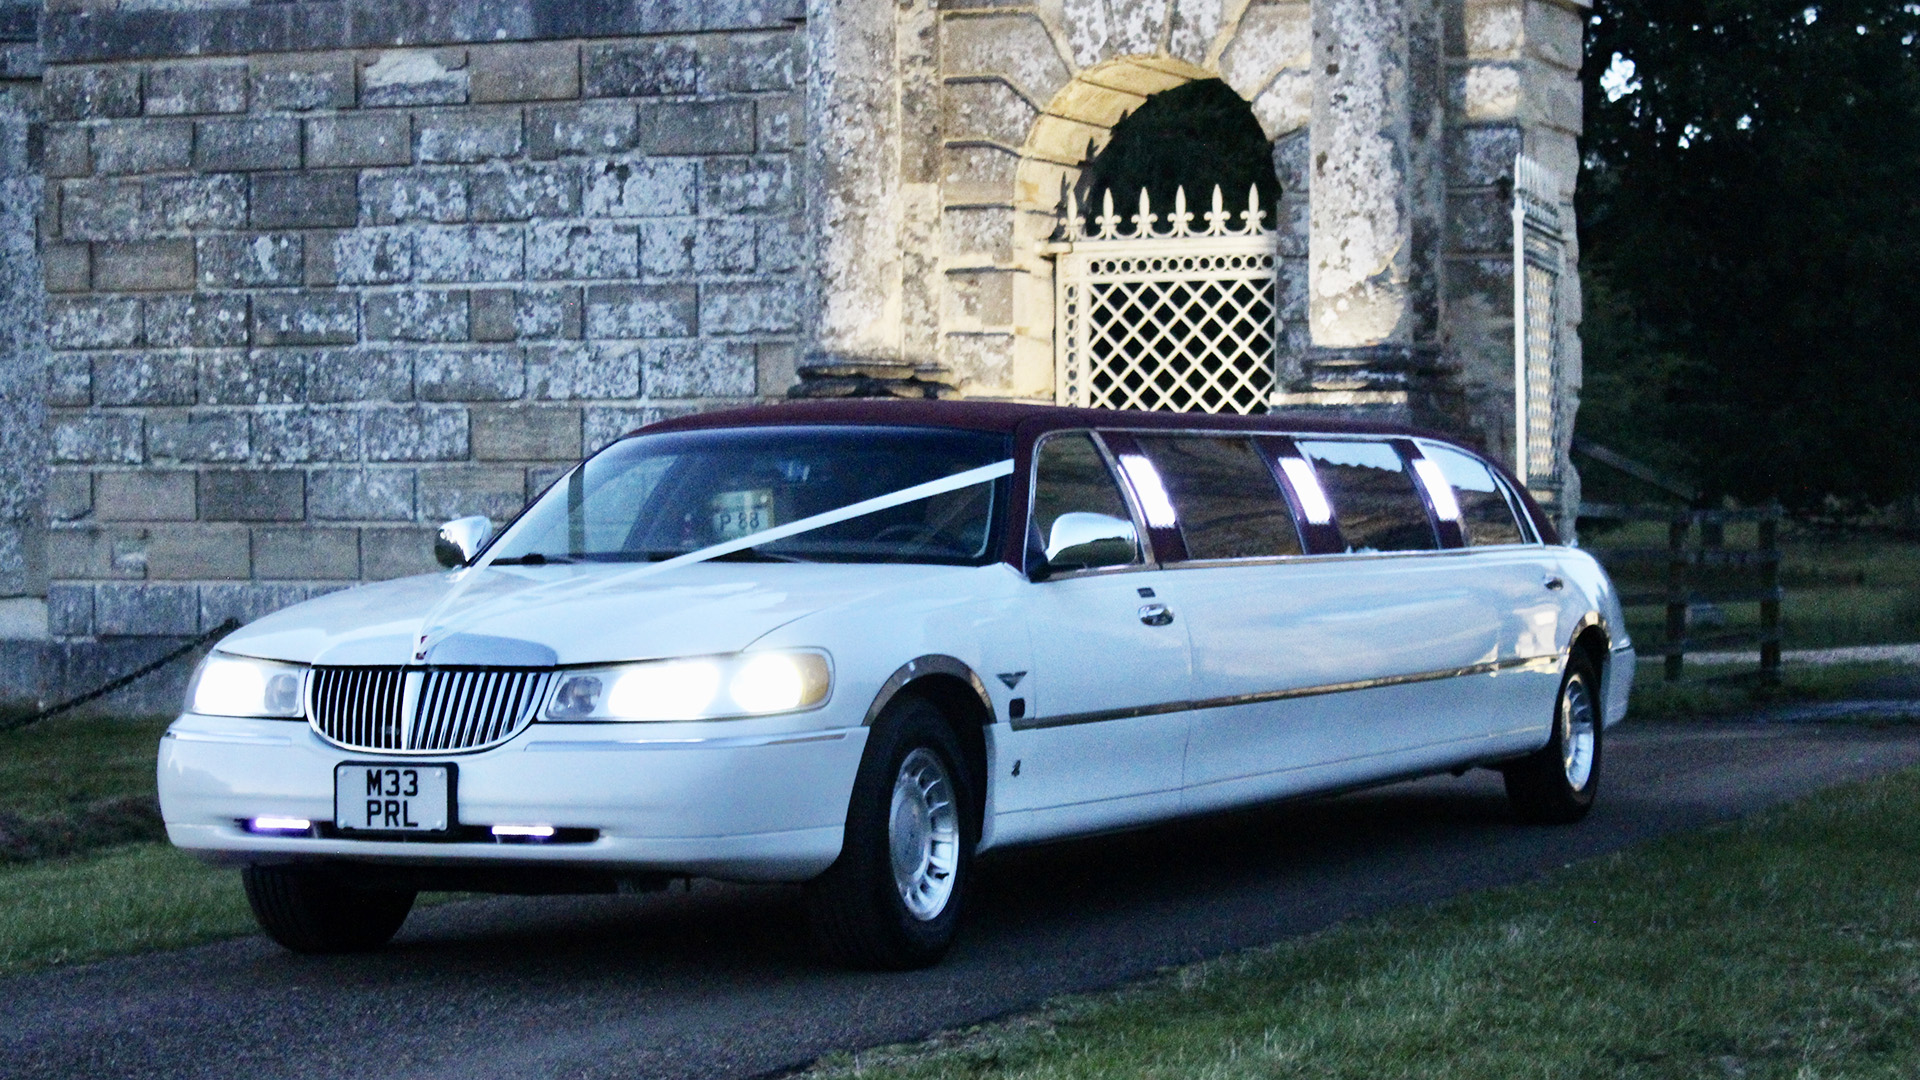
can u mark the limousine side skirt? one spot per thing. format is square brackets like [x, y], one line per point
[1132, 813]
[1419, 772]
[1549, 664]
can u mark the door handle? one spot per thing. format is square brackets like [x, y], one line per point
[1555, 583]
[1155, 614]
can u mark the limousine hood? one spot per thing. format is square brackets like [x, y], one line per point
[535, 616]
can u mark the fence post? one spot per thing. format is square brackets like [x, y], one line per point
[1676, 594]
[1770, 595]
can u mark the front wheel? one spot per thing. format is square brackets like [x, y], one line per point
[1556, 784]
[892, 900]
[313, 911]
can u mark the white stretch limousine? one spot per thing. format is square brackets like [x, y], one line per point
[855, 643]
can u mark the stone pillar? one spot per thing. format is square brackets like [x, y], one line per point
[1375, 210]
[23, 353]
[1514, 69]
[857, 209]
[1360, 247]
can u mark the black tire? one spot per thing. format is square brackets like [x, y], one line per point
[1554, 785]
[859, 909]
[313, 911]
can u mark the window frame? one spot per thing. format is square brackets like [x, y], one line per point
[1529, 535]
[1262, 452]
[1165, 549]
[1316, 539]
[1451, 532]
[1400, 445]
[1143, 545]
[1169, 548]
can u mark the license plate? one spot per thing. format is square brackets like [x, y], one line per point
[392, 798]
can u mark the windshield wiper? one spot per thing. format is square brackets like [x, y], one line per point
[534, 558]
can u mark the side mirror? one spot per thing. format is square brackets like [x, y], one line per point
[461, 539]
[1079, 540]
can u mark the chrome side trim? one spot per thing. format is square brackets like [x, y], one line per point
[235, 738]
[1543, 664]
[719, 742]
[919, 667]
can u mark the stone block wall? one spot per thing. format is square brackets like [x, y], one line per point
[302, 306]
[284, 284]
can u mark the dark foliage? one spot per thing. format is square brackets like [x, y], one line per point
[1750, 229]
[1196, 136]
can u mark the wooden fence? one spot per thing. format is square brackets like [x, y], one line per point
[1700, 569]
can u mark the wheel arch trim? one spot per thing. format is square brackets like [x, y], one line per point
[921, 667]
[1592, 622]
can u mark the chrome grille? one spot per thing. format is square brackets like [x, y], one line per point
[423, 710]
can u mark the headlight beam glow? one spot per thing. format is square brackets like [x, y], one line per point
[692, 688]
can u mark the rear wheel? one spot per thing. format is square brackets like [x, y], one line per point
[313, 911]
[892, 900]
[1556, 784]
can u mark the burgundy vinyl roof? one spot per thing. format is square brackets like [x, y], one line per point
[1028, 420]
[1009, 418]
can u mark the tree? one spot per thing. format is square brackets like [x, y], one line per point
[1750, 223]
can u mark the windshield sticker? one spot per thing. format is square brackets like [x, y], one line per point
[739, 513]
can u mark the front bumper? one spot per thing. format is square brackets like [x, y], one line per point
[753, 800]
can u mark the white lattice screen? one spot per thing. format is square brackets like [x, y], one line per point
[1165, 316]
[1539, 263]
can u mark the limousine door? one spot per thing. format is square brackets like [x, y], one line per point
[1325, 670]
[1104, 733]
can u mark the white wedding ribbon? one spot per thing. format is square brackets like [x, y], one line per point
[983, 475]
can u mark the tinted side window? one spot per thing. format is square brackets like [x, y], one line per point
[1485, 514]
[1228, 504]
[1374, 500]
[1072, 481]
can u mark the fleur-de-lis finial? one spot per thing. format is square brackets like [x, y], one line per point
[1143, 221]
[1073, 215]
[1108, 221]
[1254, 213]
[1218, 218]
[1181, 218]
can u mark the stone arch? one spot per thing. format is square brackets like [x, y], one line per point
[1074, 126]
[1072, 129]
[1075, 71]
[1079, 120]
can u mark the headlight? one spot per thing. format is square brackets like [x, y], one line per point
[698, 688]
[241, 686]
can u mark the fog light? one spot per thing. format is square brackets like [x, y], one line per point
[280, 825]
[528, 832]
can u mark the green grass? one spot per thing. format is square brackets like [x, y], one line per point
[1721, 690]
[1786, 945]
[75, 784]
[86, 785]
[122, 900]
[69, 760]
[1842, 589]
[74, 793]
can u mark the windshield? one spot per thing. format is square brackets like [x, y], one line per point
[653, 497]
